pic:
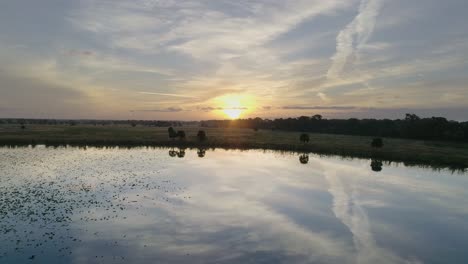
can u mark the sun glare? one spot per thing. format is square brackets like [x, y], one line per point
[234, 106]
[233, 113]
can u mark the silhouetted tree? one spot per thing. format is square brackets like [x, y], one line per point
[304, 158]
[304, 138]
[201, 135]
[377, 143]
[181, 134]
[172, 133]
[376, 165]
[316, 117]
[23, 127]
[133, 124]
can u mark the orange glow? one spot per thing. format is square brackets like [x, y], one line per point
[234, 105]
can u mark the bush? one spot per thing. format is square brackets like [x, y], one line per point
[304, 138]
[377, 143]
[172, 133]
[181, 134]
[201, 135]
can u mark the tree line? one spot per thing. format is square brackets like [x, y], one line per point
[412, 126]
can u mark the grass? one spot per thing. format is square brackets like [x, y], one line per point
[417, 152]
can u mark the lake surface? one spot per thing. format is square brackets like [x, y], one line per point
[139, 205]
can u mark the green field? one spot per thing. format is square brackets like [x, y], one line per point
[433, 153]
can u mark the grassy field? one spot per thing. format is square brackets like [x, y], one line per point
[440, 154]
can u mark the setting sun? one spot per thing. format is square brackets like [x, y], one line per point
[234, 106]
[233, 113]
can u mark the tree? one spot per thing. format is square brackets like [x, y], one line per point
[412, 117]
[181, 134]
[316, 117]
[133, 124]
[201, 135]
[377, 143]
[304, 138]
[172, 133]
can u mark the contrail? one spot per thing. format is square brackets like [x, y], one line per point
[354, 36]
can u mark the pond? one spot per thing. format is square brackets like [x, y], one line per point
[146, 205]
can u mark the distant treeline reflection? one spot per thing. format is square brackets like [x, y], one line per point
[180, 152]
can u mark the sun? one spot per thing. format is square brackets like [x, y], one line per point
[234, 106]
[233, 113]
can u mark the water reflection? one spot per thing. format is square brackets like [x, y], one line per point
[201, 152]
[376, 165]
[139, 206]
[304, 158]
[180, 153]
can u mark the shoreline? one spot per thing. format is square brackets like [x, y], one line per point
[410, 159]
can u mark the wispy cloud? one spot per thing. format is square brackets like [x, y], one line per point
[281, 53]
[210, 108]
[162, 110]
[168, 94]
[354, 36]
[319, 107]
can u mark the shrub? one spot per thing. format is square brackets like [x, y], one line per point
[172, 133]
[377, 143]
[304, 138]
[201, 135]
[181, 134]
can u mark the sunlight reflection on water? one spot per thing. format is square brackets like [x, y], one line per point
[70, 205]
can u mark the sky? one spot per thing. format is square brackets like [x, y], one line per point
[217, 59]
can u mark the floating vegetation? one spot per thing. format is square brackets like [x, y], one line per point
[48, 197]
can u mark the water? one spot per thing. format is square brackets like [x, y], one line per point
[70, 205]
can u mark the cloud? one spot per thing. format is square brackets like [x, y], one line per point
[209, 108]
[319, 107]
[162, 110]
[323, 96]
[168, 94]
[348, 209]
[354, 36]
[35, 98]
[75, 52]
